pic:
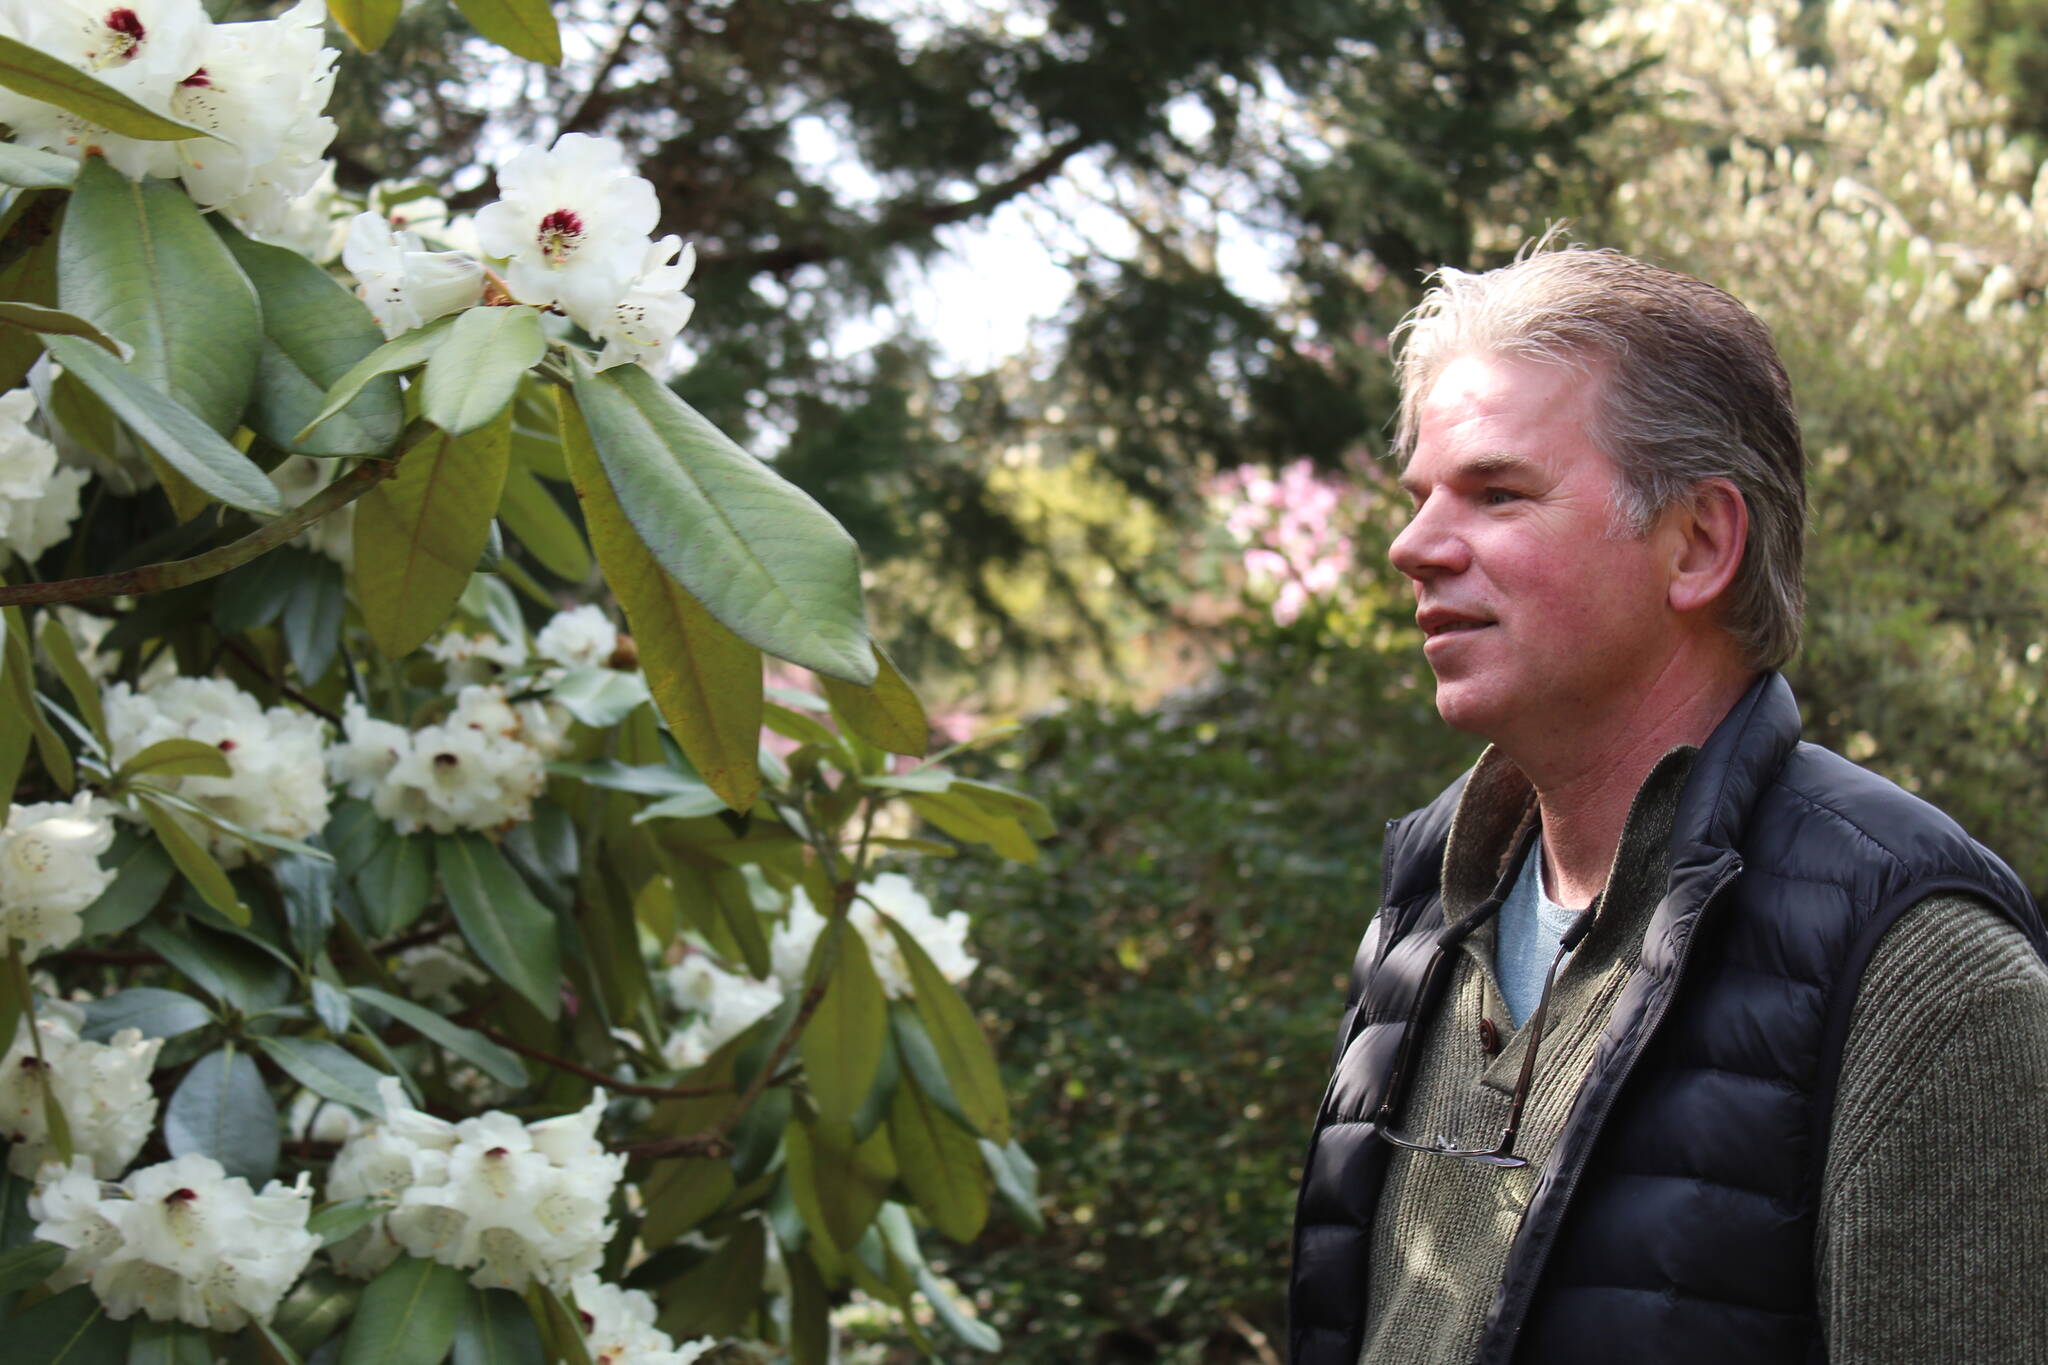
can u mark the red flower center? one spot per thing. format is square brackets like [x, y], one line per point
[561, 232]
[125, 23]
[198, 77]
[184, 1196]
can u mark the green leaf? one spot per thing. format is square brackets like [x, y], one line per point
[85, 693]
[312, 617]
[71, 1328]
[317, 1307]
[367, 22]
[1002, 803]
[271, 1344]
[223, 1110]
[496, 1329]
[30, 317]
[31, 168]
[600, 697]
[17, 695]
[688, 806]
[231, 971]
[394, 873]
[168, 1343]
[887, 715]
[538, 522]
[1016, 1177]
[525, 28]
[140, 262]
[185, 444]
[327, 1070]
[338, 1222]
[486, 1056]
[963, 1051]
[405, 352]
[706, 681]
[29, 1264]
[842, 1044]
[968, 822]
[753, 548]
[718, 1296]
[972, 1331]
[838, 1186]
[941, 1163]
[314, 333]
[158, 1013]
[419, 533]
[31, 276]
[194, 861]
[27, 71]
[643, 780]
[175, 758]
[307, 886]
[20, 687]
[511, 933]
[558, 1327]
[407, 1316]
[471, 379]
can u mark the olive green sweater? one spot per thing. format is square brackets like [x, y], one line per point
[1933, 1228]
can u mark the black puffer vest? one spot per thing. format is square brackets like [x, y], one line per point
[1675, 1222]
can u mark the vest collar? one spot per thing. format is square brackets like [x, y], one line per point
[1737, 762]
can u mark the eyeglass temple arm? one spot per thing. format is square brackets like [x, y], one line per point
[1447, 938]
[1573, 936]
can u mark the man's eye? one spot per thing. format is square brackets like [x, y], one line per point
[1494, 497]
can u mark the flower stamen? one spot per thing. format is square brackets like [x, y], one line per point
[561, 232]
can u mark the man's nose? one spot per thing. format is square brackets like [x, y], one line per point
[1429, 545]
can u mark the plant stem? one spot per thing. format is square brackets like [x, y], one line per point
[652, 1092]
[179, 573]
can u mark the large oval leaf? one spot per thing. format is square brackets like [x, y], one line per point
[189, 447]
[327, 1070]
[525, 28]
[755, 549]
[141, 264]
[29, 71]
[71, 1328]
[842, 1044]
[31, 168]
[963, 1051]
[511, 932]
[705, 679]
[538, 522]
[407, 1316]
[419, 533]
[486, 1056]
[314, 332]
[496, 1328]
[887, 715]
[223, 1110]
[940, 1161]
[471, 379]
[367, 22]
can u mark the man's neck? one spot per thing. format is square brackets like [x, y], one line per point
[1586, 781]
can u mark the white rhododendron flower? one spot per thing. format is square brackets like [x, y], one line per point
[467, 659]
[642, 324]
[143, 48]
[431, 974]
[480, 769]
[315, 1118]
[38, 498]
[618, 1327]
[581, 637]
[404, 284]
[50, 871]
[276, 783]
[299, 477]
[182, 1240]
[726, 1005]
[261, 89]
[103, 1089]
[571, 227]
[943, 938]
[381, 1161]
[515, 1202]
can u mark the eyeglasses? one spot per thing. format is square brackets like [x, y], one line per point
[1425, 1003]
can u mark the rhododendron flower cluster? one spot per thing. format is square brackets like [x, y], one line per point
[103, 1089]
[1292, 531]
[179, 1241]
[943, 938]
[275, 783]
[618, 1327]
[260, 88]
[50, 871]
[478, 770]
[405, 284]
[582, 637]
[38, 499]
[726, 1004]
[511, 1202]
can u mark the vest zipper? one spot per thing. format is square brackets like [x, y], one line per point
[1518, 1311]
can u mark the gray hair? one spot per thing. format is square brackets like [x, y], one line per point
[1694, 391]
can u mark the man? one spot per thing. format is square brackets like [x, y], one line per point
[1674, 1039]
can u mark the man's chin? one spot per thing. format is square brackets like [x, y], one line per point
[1466, 708]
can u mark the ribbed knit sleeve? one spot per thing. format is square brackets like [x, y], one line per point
[1933, 1237]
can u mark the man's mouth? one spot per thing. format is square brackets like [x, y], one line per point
[1439, 623]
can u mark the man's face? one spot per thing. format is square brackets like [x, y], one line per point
[1538, 621]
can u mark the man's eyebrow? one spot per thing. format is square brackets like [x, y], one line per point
[1480, 466]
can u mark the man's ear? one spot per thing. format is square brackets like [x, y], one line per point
[1712, 531]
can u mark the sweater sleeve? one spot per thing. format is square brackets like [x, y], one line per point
[1933, 1230]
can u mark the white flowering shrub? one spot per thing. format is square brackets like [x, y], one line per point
[420, 923]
